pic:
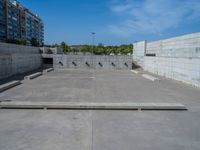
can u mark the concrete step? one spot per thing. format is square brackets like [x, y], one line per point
[9, 85]
[33, 76]
[91, 106]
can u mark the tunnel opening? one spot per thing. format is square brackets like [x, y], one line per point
[47, 62]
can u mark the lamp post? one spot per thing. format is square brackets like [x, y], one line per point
[93, 38]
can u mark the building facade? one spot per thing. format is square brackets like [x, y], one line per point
[18, 23]
[2, 20]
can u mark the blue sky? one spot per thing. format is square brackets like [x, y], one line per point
[115, 21]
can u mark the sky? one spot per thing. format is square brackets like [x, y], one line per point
[115, 22]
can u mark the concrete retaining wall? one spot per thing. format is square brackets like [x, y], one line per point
[139, 52]
[177, 58]
[15, 59]
[92, 62]
[6, 48]
[182, 46]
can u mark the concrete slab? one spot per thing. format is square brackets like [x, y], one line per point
[102, 86]
[117, 130]
[105, 129]
[40, 130]
[9, 85]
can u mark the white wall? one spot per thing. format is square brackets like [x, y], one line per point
[177, 58]
[181, 69]
[183, 46]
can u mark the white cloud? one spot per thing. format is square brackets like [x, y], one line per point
[152, 16]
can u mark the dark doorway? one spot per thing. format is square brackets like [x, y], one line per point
[47, 62]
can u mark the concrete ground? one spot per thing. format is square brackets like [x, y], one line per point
[100, 130]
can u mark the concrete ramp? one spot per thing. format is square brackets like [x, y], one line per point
[91, 106]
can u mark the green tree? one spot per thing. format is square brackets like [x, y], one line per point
[86, 48]
[65, 47]
[125, 49]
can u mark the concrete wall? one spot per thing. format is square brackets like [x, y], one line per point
[50, 50]
[6, 48]
[139, 52]
[92, 62]
[183, 46]
[177, 58]
[15, 59]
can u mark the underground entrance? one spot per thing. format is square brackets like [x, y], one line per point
[47, 62]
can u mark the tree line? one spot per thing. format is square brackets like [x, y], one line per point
[99, 49]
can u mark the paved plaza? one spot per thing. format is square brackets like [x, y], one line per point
[100, 129]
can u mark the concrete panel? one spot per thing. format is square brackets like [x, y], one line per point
[182, 69]
[177, 58]
[6, 48]
[16, 59]
[5, 66]
[183, 46]
[92, 62]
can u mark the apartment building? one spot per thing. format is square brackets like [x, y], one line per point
[18, 23]
[2, 20]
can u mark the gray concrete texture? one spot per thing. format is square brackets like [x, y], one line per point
[182, 46]
[69, 85]
[176, 58]
[100, 130]
[6, 48]
[16, 59]
[123, 62]
[91, 106]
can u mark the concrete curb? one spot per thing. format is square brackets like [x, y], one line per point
[134, 71]
[9, 85]
[149, 77]
[92, 106]
[48, 70]
[33, 76]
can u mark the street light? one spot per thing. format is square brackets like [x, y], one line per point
[93, 38]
